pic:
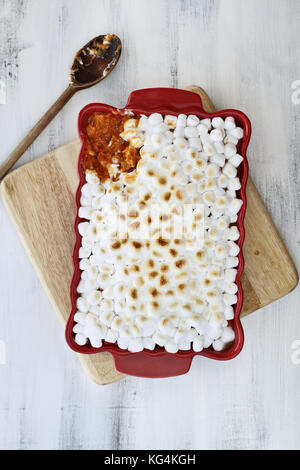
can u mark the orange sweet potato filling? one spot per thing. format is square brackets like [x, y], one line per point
[104, 146]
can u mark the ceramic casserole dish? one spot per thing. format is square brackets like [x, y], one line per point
[160, 363]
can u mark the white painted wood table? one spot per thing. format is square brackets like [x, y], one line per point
[246, 55]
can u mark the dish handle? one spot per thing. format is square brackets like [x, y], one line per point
[144, 365]
[172, 99]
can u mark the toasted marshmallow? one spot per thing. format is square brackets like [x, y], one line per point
[231, 288]
[229, 170]
[170, 121]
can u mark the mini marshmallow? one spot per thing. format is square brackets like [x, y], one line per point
[82, 305]
[218, 345]
[166, 326]
[235, 206]
[236, 160]
[171, 347]
[233, 233]
[217, 135]
[228, 335]
[230, 275]
[208, 148]
[192, 120]
[87, 190]
[184, 346]
[223, 181]
[229, 313]
[207, 123]
[78, 328]
[80, 317]
[233, 248]
[85, 213]
[231, 288]
[181, 120]
[155, 119]
[207, 341]
[229, 170]
[230, 150]
[234, 184]
[170, 121]
[196, 143]
[148, 343]
[123, 342]
[230, 139]
[190, 132]
[229, 299]
[198, 344]
[202, 129]
[179, 131]
[85, 201]
[220, 147]
[160, 128]
[80, 339]
[92, 178]
[238, 133]
[229, 123]
[232, 262]
[139, 307]
[94, 297]
[181, 143]
[95, 342]
[212, 170]
[214, 332]
[83, 228]
[218, 159]
[160, 339]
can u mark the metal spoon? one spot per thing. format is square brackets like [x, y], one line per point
[91, 65]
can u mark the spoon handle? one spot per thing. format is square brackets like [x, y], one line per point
[36, 130]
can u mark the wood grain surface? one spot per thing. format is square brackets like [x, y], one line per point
[40, 198]
[246, 54]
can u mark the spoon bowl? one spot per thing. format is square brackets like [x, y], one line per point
[95, 61]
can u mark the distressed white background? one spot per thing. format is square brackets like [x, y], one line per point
[246, 54]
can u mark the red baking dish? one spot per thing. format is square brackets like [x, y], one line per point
[159, 363]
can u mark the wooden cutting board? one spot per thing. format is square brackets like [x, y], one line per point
[39, 197]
